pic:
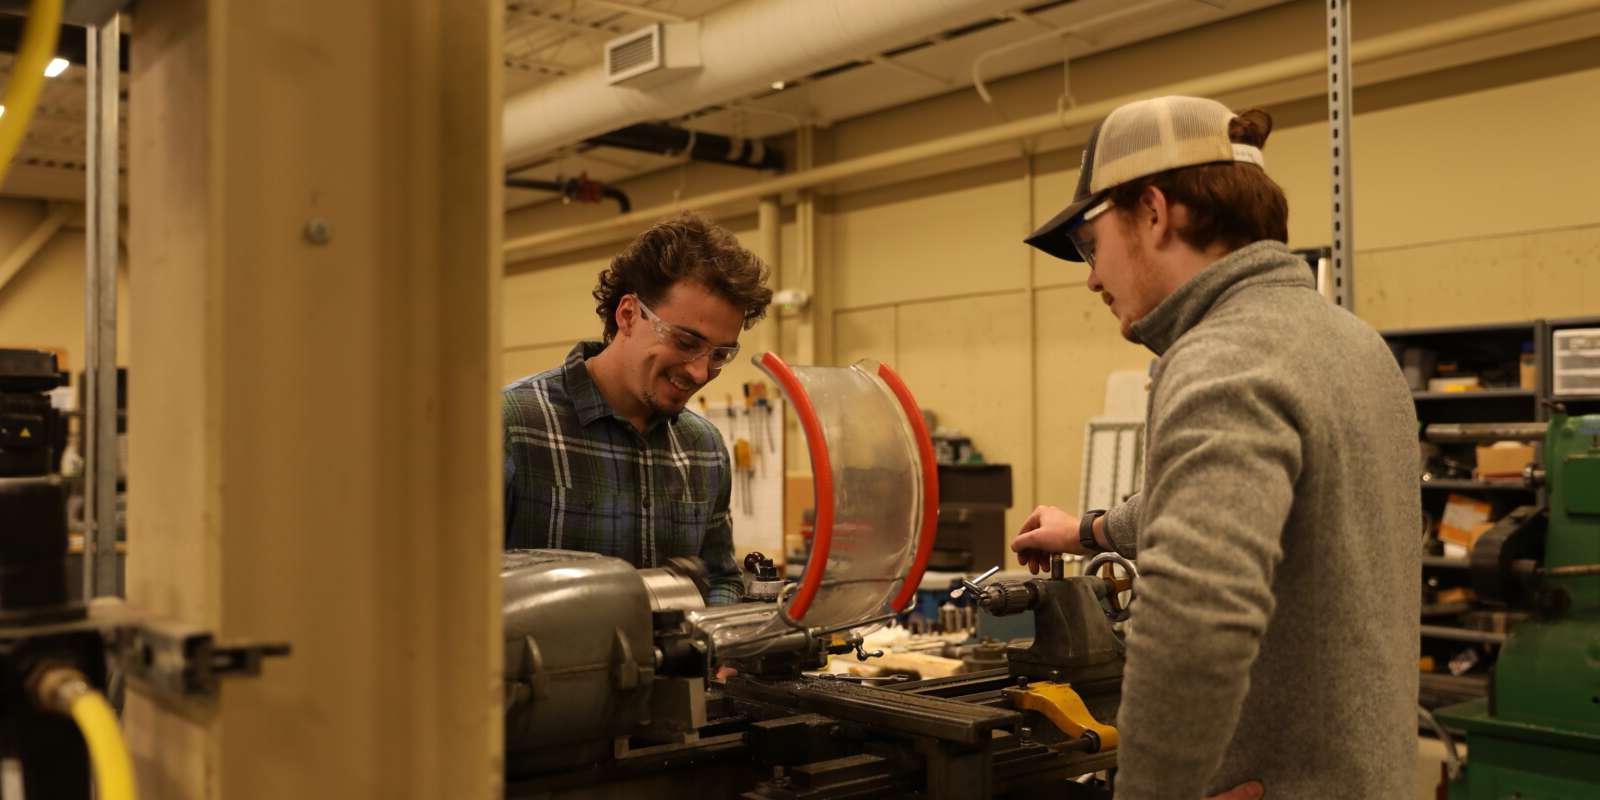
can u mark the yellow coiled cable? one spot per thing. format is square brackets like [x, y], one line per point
[27, 77]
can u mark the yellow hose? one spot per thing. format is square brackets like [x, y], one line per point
[27, 77]
[61, 689]
[113, 769]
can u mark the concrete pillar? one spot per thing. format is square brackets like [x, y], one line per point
[315, 455]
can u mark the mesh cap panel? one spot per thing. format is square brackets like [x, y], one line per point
[1156, 135]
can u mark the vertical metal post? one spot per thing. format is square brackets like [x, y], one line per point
[769, 223]
[100, 313]
[817, 316]
[1340, 91]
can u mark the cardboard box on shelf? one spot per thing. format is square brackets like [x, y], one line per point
[1503, 459]
[1464, 520]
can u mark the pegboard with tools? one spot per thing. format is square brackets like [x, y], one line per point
[751, 423]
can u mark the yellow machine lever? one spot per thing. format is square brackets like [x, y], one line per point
[1060, 704]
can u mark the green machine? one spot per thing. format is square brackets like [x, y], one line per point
[1537, 734]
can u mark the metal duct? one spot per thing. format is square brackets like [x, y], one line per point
[743, 47]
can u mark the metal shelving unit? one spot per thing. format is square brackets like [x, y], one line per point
[1493, 351]
[1460, 485]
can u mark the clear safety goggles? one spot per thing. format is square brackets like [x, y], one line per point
[1082, 235]
[689, 345]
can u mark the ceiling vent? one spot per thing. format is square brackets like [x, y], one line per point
[653, 55]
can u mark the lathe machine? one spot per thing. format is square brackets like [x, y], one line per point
[610, 671]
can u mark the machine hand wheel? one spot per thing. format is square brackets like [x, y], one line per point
[1107, 563]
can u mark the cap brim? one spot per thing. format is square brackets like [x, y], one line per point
[1053, 236]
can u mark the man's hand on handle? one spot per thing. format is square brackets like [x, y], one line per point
[1048, 531]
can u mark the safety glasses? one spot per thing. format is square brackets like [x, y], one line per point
[1081, 234]
[689, 345]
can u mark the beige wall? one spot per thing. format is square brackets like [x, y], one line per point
[42, 305]
[1471, 189]
[1472, 203]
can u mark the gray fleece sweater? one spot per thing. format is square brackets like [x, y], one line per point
[1275, 635]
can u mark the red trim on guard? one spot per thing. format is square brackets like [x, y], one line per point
[930, 486]
[822, 468]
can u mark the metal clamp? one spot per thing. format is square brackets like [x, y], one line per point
[185, 662]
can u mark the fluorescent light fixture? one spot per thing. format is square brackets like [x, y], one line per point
[777, 86]
[55, 67]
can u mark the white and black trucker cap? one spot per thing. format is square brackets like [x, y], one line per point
[1137, 140]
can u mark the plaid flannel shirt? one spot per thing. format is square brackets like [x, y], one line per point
[579, 477]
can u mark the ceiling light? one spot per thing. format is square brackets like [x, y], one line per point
[777, 86]
[55, 67]
[2, 111]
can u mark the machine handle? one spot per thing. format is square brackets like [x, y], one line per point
[975, 585]
[1114, 587]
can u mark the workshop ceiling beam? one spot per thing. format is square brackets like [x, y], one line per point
[54, 219]
[638, 10]
[552, 20]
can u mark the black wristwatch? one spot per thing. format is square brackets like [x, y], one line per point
[1086, 531]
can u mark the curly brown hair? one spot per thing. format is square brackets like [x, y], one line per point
[1231, 203]
[687, 247]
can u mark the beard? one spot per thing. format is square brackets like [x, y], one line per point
[1145, 292]
[671, 399]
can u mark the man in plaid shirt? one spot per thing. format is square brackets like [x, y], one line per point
[600, 454]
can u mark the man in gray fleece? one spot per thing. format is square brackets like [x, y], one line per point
[1274, 642]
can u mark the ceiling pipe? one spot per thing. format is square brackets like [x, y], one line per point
[669, 140]
[743, 48]
[1052, 33]
[580, 189]
[1437, 34]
